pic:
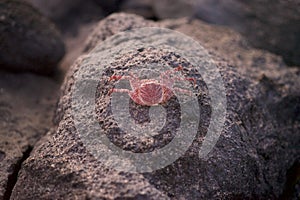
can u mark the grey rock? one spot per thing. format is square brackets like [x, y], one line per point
[27, 105]
[251, 160]
[29, 42]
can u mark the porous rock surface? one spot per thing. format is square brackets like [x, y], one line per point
[27, 105]
[29, 41]
[252, 159]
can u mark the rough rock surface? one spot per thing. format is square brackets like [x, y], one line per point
[253, 159]
[26, 110]
[29, 42]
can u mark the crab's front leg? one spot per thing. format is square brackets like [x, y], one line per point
[133, 80]
[168, 81]
[183, 91]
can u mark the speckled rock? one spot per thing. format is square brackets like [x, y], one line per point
[252, 159]
[29, 42]
[26, 110]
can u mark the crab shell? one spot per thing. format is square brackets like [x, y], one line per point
[150, 93]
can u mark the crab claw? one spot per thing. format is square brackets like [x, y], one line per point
[191, 79]
[114, 77]
[179, 68]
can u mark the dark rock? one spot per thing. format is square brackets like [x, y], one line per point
[140, 7]
[75, 19]
[165, 9]
[26, 111]
[255, 153]
[29, 42]
[55, 9]
[109, 6]
[270, 25]
[68, 15]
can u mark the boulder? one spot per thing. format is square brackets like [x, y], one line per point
[29, 42]
[252, 159]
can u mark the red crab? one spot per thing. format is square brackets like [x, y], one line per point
[150, 92]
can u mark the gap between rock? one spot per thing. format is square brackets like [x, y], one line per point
[13, 178]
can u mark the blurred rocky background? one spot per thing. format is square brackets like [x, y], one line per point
[257, 44]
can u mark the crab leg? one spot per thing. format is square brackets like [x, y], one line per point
[118, 77]
[171, 71]
[134, 81]
[183, 91]
[186, 79]
[119, 90]
[165, 77]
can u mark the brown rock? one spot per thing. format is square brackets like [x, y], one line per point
[26, 111]
[251, 160]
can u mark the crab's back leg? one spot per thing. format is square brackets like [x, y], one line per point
[183, 91]
[119, 90]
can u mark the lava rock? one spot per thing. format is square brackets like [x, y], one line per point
[251, 160]
[27, 105]
[29, 42]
